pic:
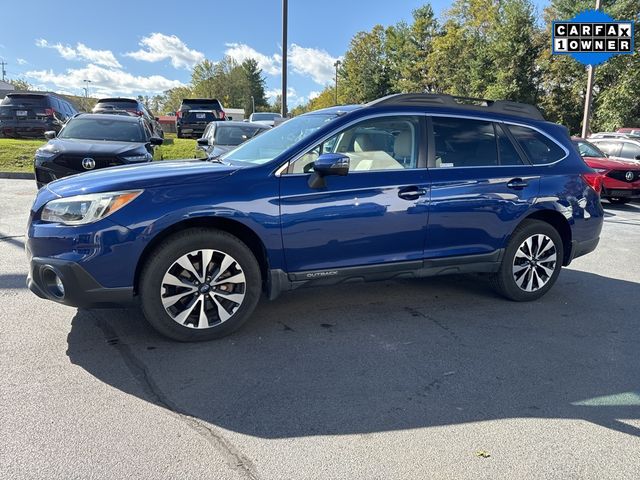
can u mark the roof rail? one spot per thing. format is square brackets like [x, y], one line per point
[505, 107]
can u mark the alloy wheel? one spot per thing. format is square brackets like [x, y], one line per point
[534, 262]
[203, 288]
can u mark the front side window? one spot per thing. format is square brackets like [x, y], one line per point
[387, 143]
[538, 147]
[461, 142]
[630, 150]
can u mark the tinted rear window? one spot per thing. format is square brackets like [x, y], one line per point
[200, 105]
[117, 105]
[234, 135]
[30, 100]
[538, 147]
[265, 116]
[199, 117]
[95, 129]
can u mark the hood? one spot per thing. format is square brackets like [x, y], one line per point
[95, 147]
[611, 163]
[140, 176]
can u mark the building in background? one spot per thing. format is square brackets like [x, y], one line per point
[5, 88]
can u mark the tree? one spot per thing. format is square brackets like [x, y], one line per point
[20, 84]
[364, 72]
[256, 85]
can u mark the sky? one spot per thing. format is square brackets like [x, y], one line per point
[145, 47]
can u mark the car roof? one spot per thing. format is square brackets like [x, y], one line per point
[110, 116]
[118, 99]
[235, 123]
[616, 139]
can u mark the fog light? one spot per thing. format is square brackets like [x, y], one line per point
[52, 282]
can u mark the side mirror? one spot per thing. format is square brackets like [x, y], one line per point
[637, 157]
[50, 135]
[156, 141]
[203, 142]
[328, 164]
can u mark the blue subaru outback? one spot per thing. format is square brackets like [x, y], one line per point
[410, 185]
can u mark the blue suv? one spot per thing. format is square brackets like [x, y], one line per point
[410, 185]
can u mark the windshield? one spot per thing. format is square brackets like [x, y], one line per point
[235, 135]
[265, 116]
[103, 129]
[269, 145]
[589, 150]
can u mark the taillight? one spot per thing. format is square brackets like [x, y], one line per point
[179, 114]
[594, 180]
[49, 112]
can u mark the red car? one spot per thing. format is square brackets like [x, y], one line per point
[620, 178]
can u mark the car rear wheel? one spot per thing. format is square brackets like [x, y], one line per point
[532, 262]
[179, 133]
[200, 284]
[619, 200]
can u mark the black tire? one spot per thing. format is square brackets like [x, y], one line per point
[504, 281]
[179, 133]
[163, 258]
[619, 200]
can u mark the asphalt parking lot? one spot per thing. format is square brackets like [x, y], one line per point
[433, 378]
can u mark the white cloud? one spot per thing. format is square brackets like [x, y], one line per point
[293, 98]
[82, 52]
[21, 61]
[158, 47]
[311, 62]
[104, 82]
[240, 52]
[317, 64]
[313, 94]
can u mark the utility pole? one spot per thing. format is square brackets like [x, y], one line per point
[337, 65]
[4, 72]
[253, 104]
[285, 9]
[588, 99]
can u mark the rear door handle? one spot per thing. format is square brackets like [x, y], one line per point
[517, 184]
[411, 193]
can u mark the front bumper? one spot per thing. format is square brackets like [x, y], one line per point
[621, 192]
[80, 288]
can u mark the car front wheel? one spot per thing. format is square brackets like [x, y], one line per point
[531, 263]
[200, 284]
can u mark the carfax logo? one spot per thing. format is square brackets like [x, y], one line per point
[592, 37]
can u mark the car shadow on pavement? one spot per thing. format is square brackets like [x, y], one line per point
[355, 359]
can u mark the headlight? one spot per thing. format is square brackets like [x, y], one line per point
[138, 158]
[83, 209]
[45, 153]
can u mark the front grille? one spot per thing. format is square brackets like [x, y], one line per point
[622, 175]
[43, 176]
[74, 162]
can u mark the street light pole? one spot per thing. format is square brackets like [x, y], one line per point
[588, 99]
[253, 104]
[337, 65]
[86, 89]
[285, 9]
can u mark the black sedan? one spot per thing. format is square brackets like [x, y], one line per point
[220, 137]
[90, 141]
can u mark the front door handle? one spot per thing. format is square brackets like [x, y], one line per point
[411, 193]
[517, 184]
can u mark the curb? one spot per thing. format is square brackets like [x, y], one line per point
[18, 175]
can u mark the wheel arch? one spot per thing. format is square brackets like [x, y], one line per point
[233, 227]
[562, 226]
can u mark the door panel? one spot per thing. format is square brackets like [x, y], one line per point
[359, 219]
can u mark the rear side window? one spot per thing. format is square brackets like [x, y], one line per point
[461, 142]
[538, 147]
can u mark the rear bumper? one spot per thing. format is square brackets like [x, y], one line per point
[80, 288]
[579, 249]
[26, 128]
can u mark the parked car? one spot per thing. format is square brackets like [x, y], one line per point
[267, 118]
[211, 107]
[627, 130]
[410, 185]
[613, 135]
[620, 148]
[27, 114]
[194, 122]
[620, 178]
[94, 141]
[220, 137]
[131, 105]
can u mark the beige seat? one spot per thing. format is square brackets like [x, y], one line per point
[403, 148]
